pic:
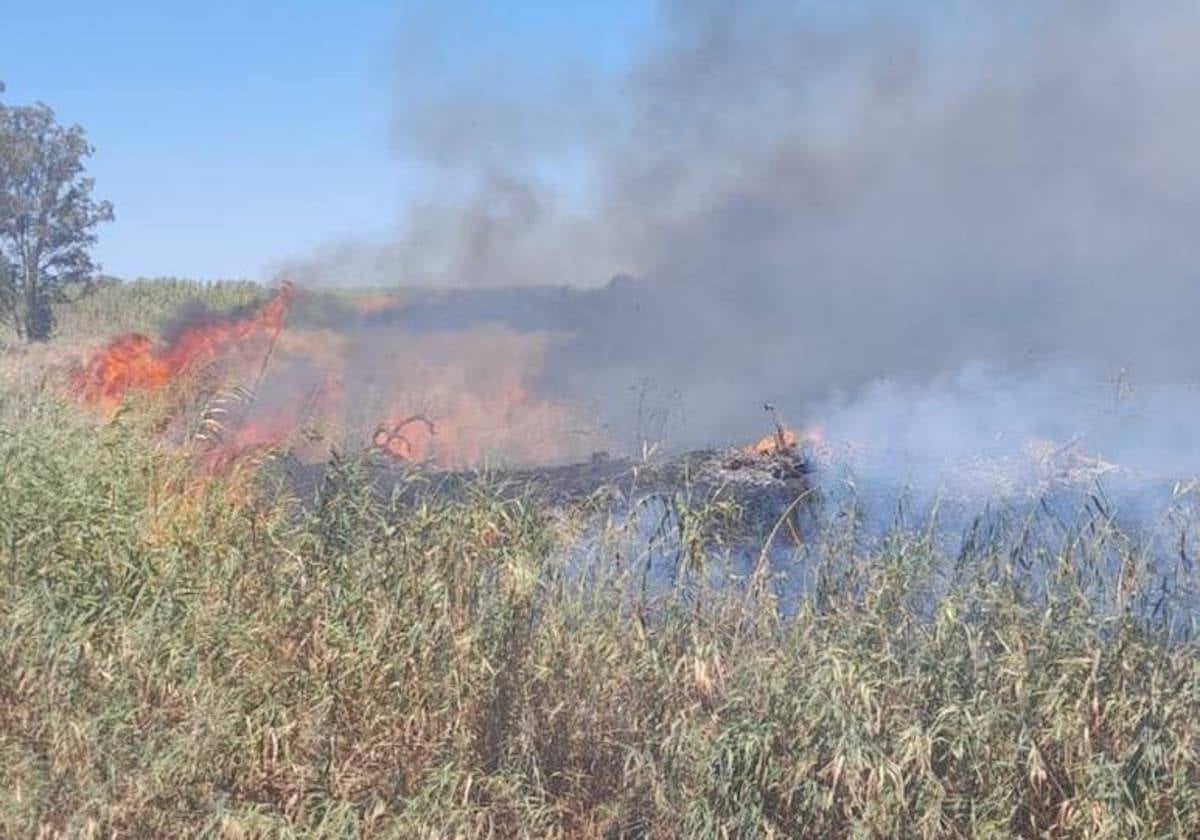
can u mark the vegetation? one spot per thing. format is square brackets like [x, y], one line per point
[147, 304]
[47, 217]
[223, 659]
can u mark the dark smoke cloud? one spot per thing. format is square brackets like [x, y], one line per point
[814, 204]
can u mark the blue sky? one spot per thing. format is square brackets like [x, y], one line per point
[231, 136]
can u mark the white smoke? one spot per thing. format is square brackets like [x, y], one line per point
[988, 208]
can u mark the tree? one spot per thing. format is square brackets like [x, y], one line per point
[47, 217]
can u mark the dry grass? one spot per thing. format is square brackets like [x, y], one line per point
[235, 664]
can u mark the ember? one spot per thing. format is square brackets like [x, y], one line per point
[785, 440]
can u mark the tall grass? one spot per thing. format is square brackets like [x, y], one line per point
[144, 305]
[179, 658]
[218, 658]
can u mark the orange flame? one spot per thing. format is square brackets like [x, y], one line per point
[457, 399]
[134, 363]
[786, 440]
[248, 440]
[453, 399]
[503, 419]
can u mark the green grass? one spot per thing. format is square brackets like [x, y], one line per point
[210, 659]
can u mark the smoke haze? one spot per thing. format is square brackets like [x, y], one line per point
[924, 230]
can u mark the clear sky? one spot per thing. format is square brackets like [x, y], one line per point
[233, 135]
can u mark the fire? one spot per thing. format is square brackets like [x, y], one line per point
[454, 399]
[134, 362]
[508, 422]
[127, 363]
[460, 399]
[786, 440]
[248, 440]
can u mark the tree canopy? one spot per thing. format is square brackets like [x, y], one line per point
[48, 217]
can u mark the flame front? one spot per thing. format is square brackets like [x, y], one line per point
[133, 362]
[450, 399]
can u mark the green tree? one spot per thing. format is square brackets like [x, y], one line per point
[48, 217]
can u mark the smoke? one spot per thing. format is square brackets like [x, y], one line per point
[843, 212]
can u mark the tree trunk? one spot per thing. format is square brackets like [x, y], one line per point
[36, 316]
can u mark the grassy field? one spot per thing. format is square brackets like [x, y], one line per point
[219, 659]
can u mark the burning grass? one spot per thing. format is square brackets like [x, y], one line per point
[472, 392]
[204, 659]
[224, 664]
[135, 362]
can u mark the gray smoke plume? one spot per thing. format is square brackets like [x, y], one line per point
[841, 211]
